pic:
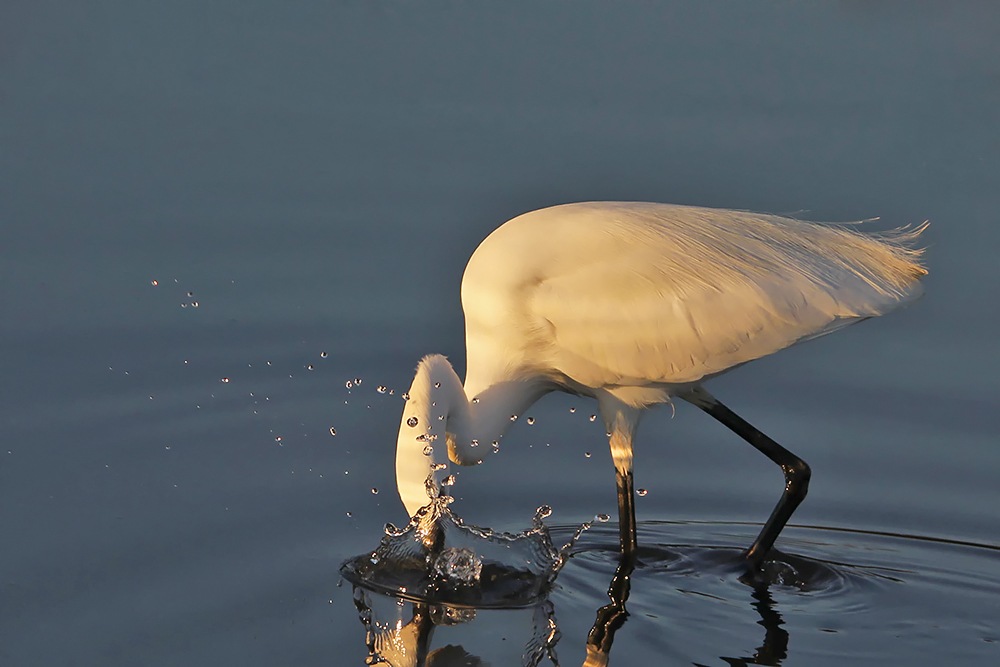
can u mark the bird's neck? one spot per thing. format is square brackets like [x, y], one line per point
[440, 424]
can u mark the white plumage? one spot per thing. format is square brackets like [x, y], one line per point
[634, 303]
[628, 294]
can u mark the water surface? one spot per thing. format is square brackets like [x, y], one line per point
[315, 176]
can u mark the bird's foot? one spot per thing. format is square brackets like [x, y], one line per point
[775, 569]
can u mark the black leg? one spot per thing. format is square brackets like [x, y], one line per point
[626, 512]
[796, 471]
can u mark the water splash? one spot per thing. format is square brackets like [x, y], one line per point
[458, 566]
[439, 559]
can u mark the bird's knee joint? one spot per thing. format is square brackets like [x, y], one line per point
[797, 475]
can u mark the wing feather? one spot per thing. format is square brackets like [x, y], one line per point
[632, 294]
[675, 294]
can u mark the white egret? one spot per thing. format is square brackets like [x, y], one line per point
[634, 304]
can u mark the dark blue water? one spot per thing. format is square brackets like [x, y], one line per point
[316, 176]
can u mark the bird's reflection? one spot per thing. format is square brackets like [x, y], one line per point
[399, 633]
[775, 646]
[611, 617]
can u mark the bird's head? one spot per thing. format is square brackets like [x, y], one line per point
[434, 416]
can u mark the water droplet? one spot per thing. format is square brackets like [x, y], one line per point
[642, 492]
[278, 439]
[437, 384]
[195, 304]
[226, 380]
[333, 431]
[374, 491]
[357, 381]
[428, 450]
[440, 417]
[475, 400]
[405, 396]
[593, 417]
[184, 305]
[433, 404]
[381, 389]
[496, 448]
[309, 367]
[348, 384]
[474, 443]
[513, 418]
[448, 481]
[323, 354]
[531, 420]
[603, 518]
[155, 282]
[190, 293]
[587, 454]
[412, 421]
[348, 514]
[439, 466]
[543, 512]
[572, 409]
